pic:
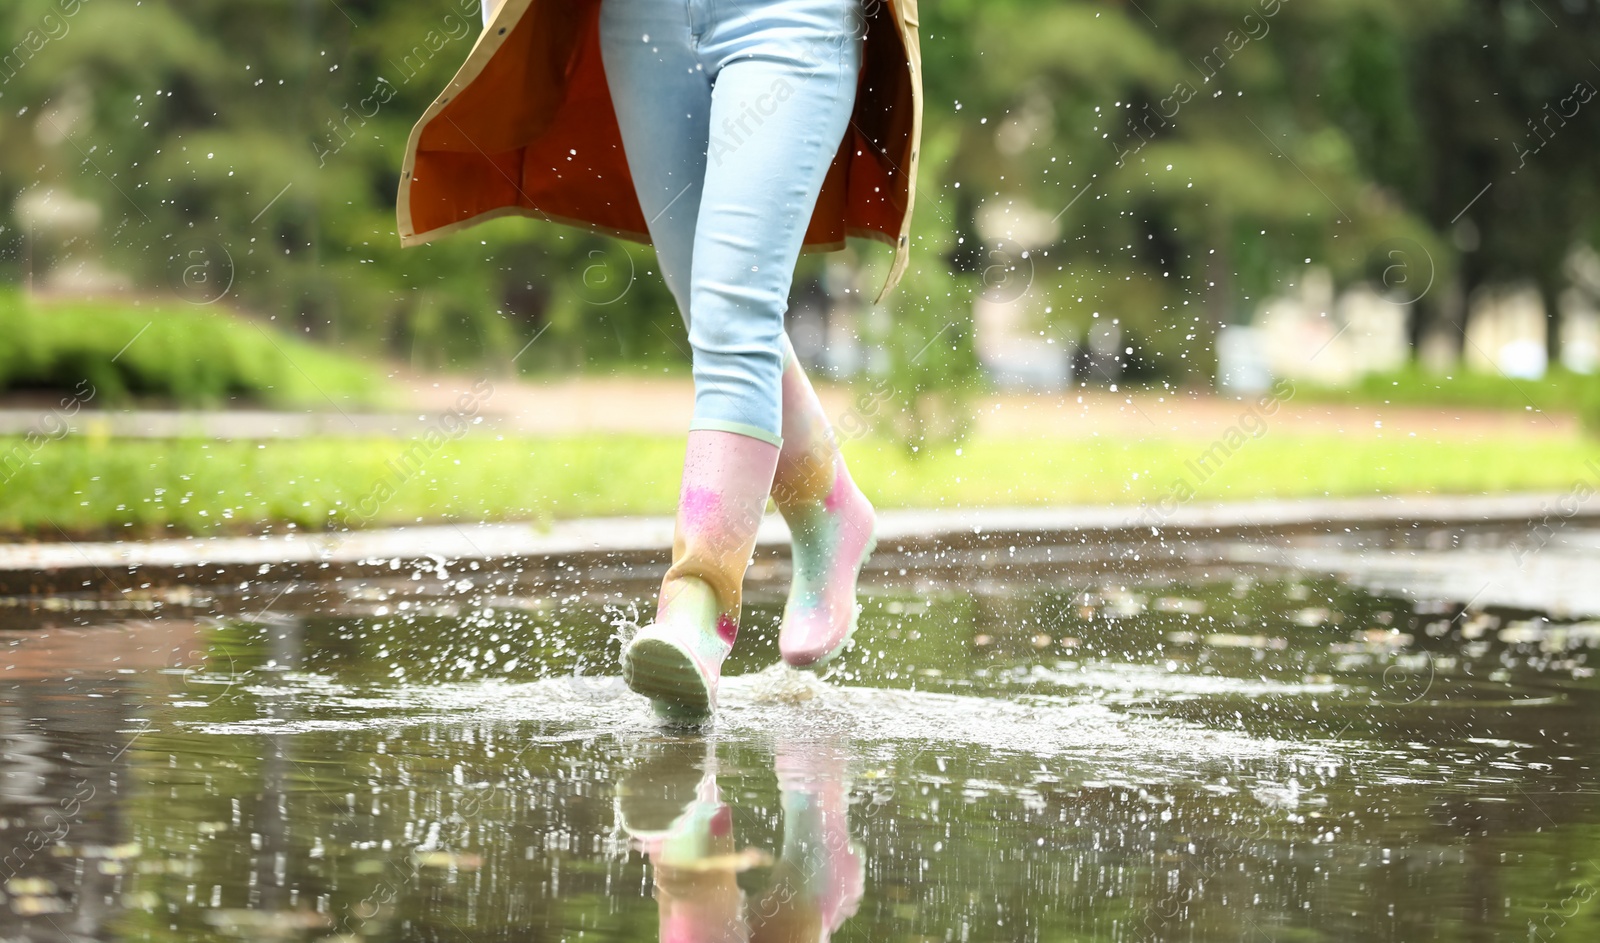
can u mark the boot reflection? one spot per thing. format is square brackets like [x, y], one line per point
[671, 806]
[820, 875]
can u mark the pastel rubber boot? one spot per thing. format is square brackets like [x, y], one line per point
[656, 797]
[676, 661]
[832, 526]
[696, 876]
[820, 875]
[685, 828]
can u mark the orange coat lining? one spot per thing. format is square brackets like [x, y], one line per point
[527, 128]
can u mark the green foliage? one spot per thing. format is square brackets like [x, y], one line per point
[1182, 160]
[932, 367]
[190, 355]
[1186, 154]
[272, 133]
[1560, 391]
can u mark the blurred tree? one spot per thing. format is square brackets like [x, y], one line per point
[1163, 163]
[1184, 152]
[264, 138]
[1503, 96]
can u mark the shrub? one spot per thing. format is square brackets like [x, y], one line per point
[188, 355]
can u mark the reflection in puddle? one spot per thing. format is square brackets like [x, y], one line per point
[670, 805]
[1204, 751]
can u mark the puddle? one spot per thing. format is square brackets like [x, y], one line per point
[1258, 741]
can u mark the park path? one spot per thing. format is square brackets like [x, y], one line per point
[572, 405]
[646, 405]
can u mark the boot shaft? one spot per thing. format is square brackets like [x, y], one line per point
[726, 480]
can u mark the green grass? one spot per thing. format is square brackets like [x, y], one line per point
[1560, 390]
[84, 485]
[188, 355]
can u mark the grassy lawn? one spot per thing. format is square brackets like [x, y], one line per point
[1559, 391]
[94, 486]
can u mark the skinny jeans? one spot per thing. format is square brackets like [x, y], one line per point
[731, 112]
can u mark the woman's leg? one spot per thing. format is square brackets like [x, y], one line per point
[662, 97]
[781, 77]
[785, 74]
[731, 112]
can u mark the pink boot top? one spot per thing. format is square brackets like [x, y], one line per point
[832, 540]
[726, 480]
[827, 868]
[831, 523]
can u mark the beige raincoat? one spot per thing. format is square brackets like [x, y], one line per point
[527, 128]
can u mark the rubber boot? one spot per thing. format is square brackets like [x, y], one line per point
[820, 875]
[676, 661]
[832, 527]
[656, 795]
[697, 876]
[671, 807]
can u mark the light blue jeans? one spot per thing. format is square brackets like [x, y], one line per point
[731, 112]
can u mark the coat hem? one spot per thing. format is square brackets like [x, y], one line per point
[438, 232]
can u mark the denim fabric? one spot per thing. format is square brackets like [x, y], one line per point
[731, 112]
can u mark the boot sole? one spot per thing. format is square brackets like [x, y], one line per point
[669, 677]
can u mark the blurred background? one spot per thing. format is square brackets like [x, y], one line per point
[1167, 253]
[1352, 242]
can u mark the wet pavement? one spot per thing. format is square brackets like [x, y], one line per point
[1363, 733]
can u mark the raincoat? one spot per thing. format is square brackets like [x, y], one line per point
[527, 128]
